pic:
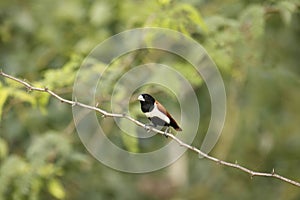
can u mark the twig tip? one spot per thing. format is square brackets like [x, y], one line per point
[273, 171]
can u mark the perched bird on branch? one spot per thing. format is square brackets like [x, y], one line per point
[157, 113]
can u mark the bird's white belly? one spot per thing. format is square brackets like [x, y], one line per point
[156, 113]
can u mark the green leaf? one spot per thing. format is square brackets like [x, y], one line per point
[193, 15]
[57, 78]
[24, 96]
[130, 142]
[3, 149]
[46, 170]
[11, 169]
[56, 189]
[100, 13]
[49, 146]
[3, 96]
[252, 21]
[286, 10]
[181, 17]
[43, 100]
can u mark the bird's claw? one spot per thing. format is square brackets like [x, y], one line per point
[166, 131]
[148, 128]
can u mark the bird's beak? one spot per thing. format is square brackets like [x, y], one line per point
[141, 98]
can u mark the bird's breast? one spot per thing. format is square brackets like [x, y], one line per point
[157, 113]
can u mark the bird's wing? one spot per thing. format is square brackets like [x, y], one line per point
[162, 109]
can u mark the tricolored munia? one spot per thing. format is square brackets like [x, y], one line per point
[157, 113]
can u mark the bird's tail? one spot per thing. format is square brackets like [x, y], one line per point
[178, 129]
[174, 124]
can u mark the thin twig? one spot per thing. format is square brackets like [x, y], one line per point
[181, 143]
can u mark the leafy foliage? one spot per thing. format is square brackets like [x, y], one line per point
[45, 162]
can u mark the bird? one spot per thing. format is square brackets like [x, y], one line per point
[157, 113]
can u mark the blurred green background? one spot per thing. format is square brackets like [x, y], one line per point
[255, 45]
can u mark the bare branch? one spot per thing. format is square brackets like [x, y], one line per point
[181, 143]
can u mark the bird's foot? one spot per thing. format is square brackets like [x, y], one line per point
[166, 131]
[148, 127]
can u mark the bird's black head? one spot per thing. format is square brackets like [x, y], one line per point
[146, 98]
[147, 102]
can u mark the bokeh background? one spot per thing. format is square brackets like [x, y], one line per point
[255, 45]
